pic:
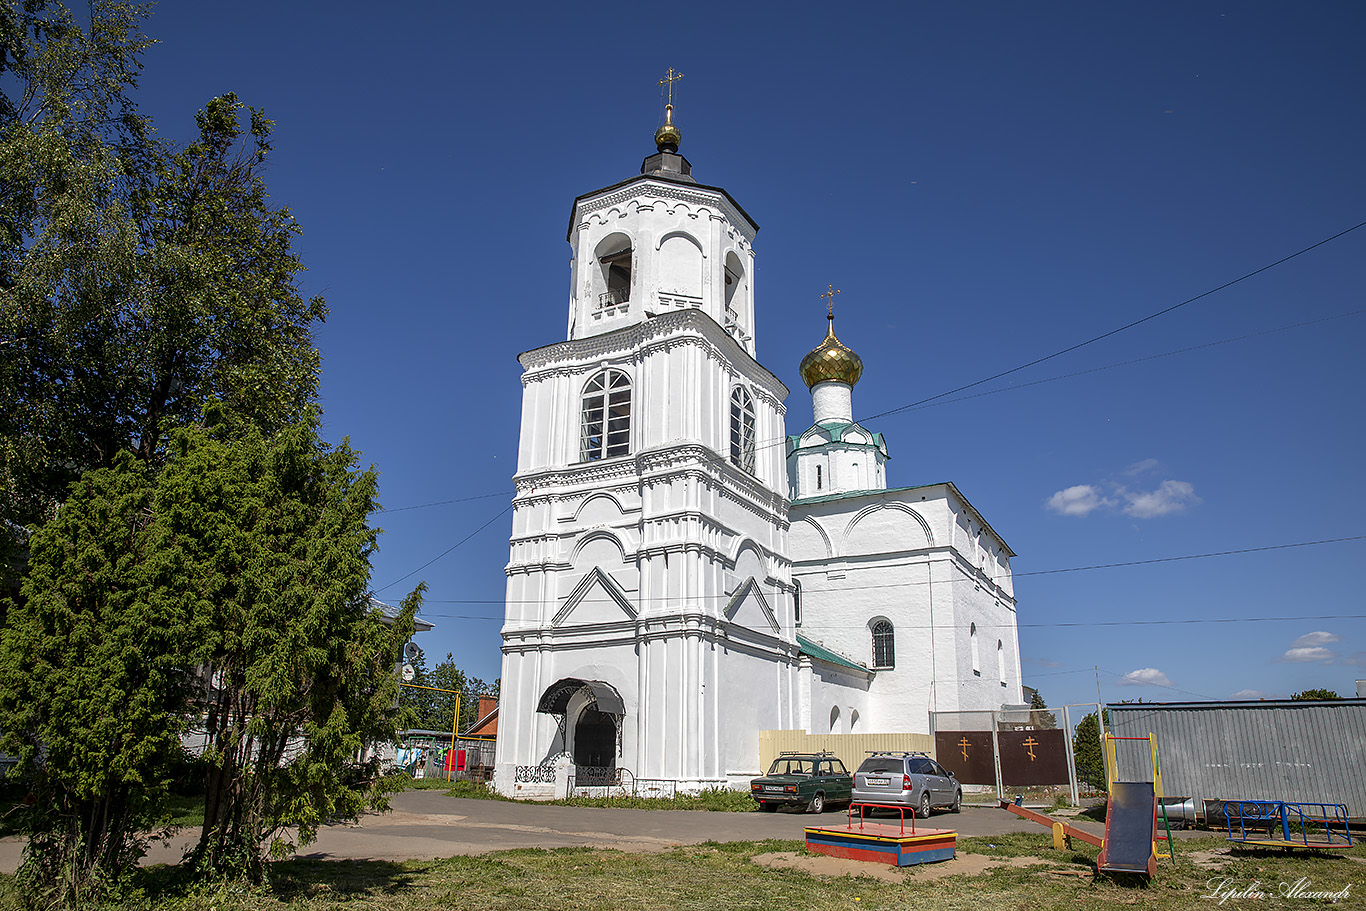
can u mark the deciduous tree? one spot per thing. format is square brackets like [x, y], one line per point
[137, 281]
[1088, 753]
[1318, 693]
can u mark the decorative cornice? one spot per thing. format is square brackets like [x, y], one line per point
[645, 187]
[631, 343]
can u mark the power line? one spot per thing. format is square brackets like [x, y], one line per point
[1183, 621]
[1222, 553]
[482, 496]
[935, 398]
[1124, 328]
[1137, 360]
[505, 511]
[916, 583]
[977, 395]
[963, 388]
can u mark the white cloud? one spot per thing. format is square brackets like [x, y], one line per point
[1253, 694]
[1325, 655]
[1169, 497]
[1145, 676]
[1316, 638]
[1139, 468]
[1078, 501]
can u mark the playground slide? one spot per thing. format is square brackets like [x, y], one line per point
[1129, 824]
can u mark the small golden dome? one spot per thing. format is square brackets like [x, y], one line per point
[831, 360]
[668, 136]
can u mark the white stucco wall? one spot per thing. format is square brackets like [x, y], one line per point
[892, 555]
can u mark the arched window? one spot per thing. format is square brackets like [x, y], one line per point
[606, 417]
[834, 719]
[1001, 661]
[976, 653]
[818, 478]
[742, 429]
[884, 645]
[797, 603]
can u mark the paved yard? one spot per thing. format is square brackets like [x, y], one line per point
[427, 824]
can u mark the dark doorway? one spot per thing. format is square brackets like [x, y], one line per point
[595, 739]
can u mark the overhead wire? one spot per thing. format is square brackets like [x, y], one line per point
[963, 388]
[1051, 379]
[957, 581]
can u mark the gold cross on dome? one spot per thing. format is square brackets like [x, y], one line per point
[671, 79]
[829, 298]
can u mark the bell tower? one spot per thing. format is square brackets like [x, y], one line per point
[661, 242]
[649, 594]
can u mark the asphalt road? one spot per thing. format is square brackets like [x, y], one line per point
[424, 825]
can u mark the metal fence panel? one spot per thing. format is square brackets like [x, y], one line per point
[1307, 752]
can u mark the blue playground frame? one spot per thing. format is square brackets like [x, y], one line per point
[1268, 815]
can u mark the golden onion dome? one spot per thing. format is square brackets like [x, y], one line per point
[831, 360]
[668, 136]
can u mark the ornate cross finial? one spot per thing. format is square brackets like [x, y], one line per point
[829, 298]
[671, 79]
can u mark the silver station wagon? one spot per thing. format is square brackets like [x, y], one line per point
[909, 780]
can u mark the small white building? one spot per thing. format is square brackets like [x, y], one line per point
[659, 614]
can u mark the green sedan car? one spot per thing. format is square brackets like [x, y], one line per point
[809, 780]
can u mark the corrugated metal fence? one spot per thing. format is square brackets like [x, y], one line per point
[851, 748]
[1306, 752]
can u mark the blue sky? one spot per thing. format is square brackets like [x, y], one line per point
[988, 183]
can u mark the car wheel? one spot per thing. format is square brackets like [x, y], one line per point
[817, 804]
[768, 807]
[957, 802]
[925, 805]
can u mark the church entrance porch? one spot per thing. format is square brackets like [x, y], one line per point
[595, 748]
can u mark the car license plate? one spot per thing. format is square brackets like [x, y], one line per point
[879, 782]
[774, 787]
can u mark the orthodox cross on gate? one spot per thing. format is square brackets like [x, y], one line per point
[964, 744]
[671, 79]
[1031, 743]
[829, 298]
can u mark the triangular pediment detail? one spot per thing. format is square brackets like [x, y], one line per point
[596, 599]
[749, 607]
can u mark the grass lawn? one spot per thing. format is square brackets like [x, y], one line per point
[721, 800]
[718, 877]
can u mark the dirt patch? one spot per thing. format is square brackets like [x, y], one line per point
[964, 864]
[1209, 860]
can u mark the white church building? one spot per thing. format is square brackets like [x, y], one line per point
[683, 574]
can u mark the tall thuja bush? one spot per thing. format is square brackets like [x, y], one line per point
[274, 541]
[93, 688]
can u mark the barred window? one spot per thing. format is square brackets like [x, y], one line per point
[884, 645]
[742, 429]
[606, 417]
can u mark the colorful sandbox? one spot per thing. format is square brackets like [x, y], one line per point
[882, 843]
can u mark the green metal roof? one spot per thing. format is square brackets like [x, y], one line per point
[826, 498]
[817, 651]
[836, 431]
